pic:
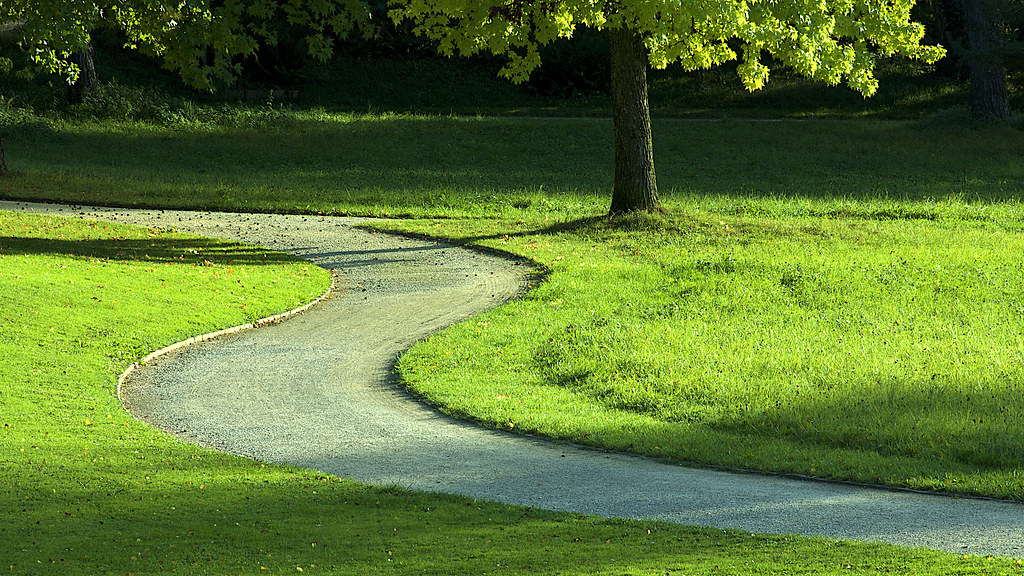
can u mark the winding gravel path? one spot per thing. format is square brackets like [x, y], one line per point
[312, 391]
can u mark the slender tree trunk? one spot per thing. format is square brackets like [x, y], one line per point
[3, 160]
[87, 78]
[635, 186]
[989, 97]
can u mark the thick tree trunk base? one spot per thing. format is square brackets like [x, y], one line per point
[990, 100]
[635, 187]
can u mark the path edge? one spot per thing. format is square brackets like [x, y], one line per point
[127, 373]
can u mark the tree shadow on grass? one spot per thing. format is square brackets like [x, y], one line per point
[482, 165]
[638, 222]
[926, 428]
[231, 517]
[259, 519]
[195, 251]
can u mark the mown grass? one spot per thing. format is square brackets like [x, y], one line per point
[830, 298]
[512, 167]
[850, 348]
[88, 490]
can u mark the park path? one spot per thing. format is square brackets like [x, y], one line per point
[313, 392]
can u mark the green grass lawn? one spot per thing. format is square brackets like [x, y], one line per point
[852, 348]
[831, 298]
[514, 168]
[838, 299]
[86, 489]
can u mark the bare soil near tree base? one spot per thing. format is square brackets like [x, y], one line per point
[316, 391]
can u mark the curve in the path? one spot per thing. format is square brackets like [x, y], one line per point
[312, 392]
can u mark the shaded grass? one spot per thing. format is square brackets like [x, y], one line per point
[501, 167]
[88, 490]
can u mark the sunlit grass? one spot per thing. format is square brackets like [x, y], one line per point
[849, 348]
[88, 490]
[831, 298]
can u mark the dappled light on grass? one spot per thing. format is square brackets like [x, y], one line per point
[857, 349]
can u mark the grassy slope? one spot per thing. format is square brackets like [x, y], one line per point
[781, 232]
[88, 490]
[876, 351]
[529, 175]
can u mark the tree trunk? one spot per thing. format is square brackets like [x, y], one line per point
[635, 186]
[989, 97]
[87, 79]
[3, 160]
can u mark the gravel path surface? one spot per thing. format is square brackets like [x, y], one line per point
[312, 391]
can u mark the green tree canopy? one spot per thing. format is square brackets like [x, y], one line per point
[832, 41]
[202, 40]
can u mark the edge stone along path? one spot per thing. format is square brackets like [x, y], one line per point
[314, 391]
